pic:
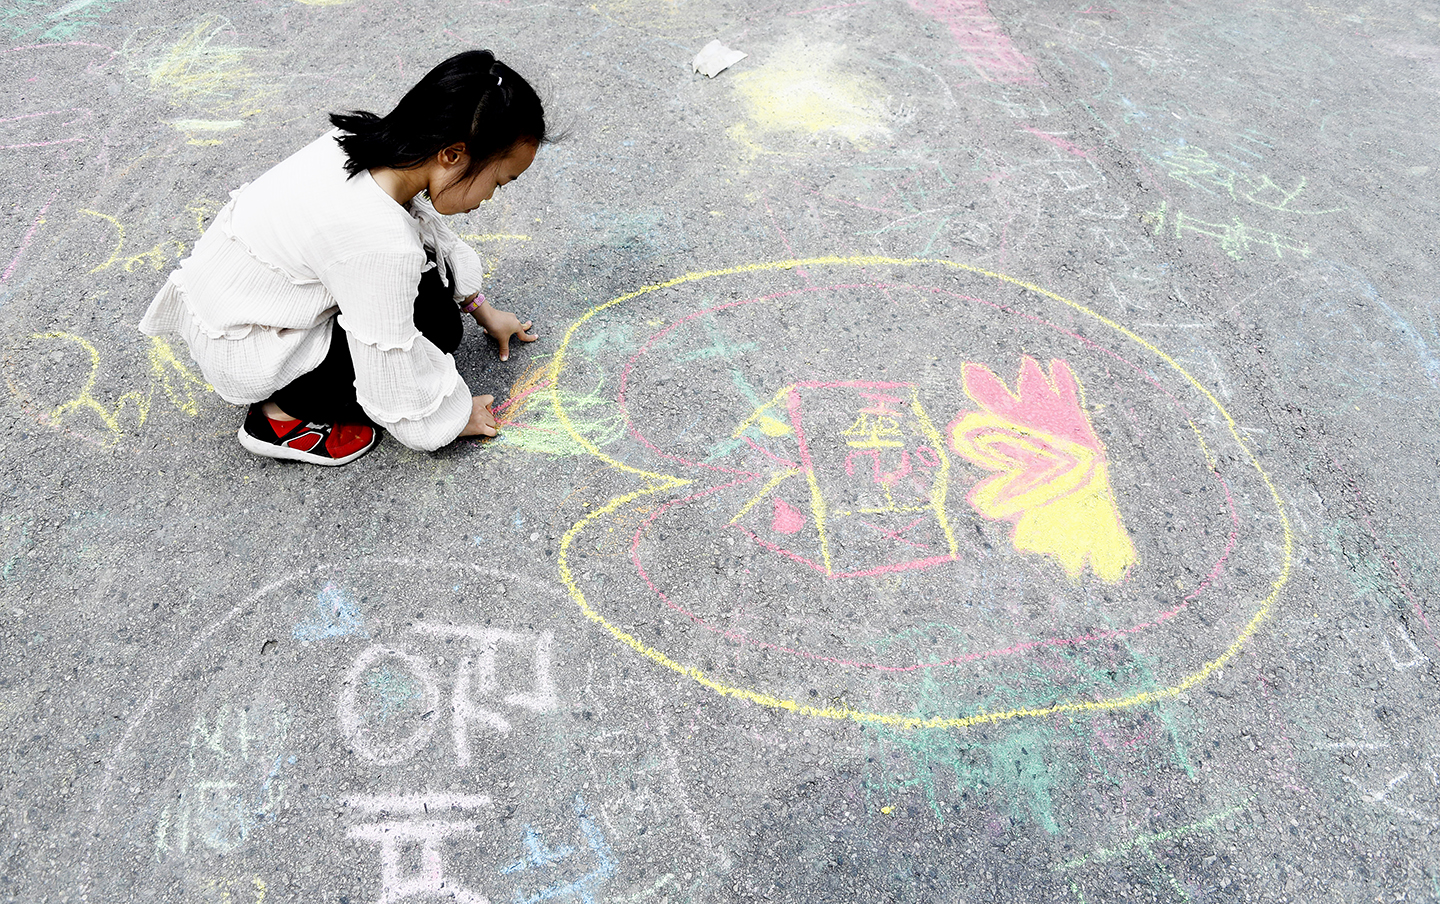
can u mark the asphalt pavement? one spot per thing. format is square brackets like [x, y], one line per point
[976, 451]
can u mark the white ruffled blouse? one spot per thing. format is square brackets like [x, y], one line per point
[302, 242]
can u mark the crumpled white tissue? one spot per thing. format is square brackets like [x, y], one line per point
[716, 58]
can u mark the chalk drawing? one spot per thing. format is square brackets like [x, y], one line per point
[1412, 657]
[887, 465]
[179, 384]
[1150, 848]
[981, 37]
[1014, 768]
[534, 428]
[540, 859]
[778, 518]
[158, 257]
[336, 614]
[389, 701]
[476, 679]
[432, 819]
[152, 756]
[499, 239]
[806, 89]
[1053, 482]
[29, 236]
[1399, 781]
[1236, 239]
[1016, 772]
[1194, 166]
[926, 208]
[233, 782]
[851, 428]
[1371, 564]
[1061, 143]
[398, 824]
[34, 130]
[202, 72]
[403, 689]
[41, 20]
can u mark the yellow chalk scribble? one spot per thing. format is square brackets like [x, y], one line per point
[157, 257]
[541, 431]
[176, 380]
[199, 72]
[806, 90]
[492, 262]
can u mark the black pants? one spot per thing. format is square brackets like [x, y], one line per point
[326, 394]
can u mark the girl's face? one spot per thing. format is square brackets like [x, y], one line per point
[464, 196]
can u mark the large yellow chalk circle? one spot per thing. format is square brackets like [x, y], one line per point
[657, 482]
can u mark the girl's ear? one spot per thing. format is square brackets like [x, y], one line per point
[452, 155]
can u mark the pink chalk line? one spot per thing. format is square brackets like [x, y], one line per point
[30, 234]
[1060, 143]
[877, 571]
[821, 9]
[46, 113]
[898, 535]
[524, 395]
[979, 33]
[39, 144]
[768, 454]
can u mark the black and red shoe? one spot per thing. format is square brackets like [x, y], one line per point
[318, 444]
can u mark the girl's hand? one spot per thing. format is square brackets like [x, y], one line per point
[482, 419]
[501, 325]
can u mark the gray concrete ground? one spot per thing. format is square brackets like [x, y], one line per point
[977, 451]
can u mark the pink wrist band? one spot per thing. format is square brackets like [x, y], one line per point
[473, 304]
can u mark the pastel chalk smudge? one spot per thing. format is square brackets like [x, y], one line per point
[788, 519]
[1052, 481]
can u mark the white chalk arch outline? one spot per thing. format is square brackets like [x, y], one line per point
[159, 688]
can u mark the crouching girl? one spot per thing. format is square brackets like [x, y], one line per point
[328, 293]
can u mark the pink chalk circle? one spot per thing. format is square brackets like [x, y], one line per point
[788, 520]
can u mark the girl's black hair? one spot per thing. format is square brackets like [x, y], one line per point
[471, 98]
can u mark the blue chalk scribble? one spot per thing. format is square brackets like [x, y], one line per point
[336, 615]
[538, 857]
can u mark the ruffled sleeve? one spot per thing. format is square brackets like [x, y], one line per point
[404, 383]
[464, 262]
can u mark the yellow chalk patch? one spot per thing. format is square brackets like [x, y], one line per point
[772, 427]
[805, 90]
[206, 125]
[203, 73]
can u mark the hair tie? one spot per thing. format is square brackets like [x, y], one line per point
[498, 80]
